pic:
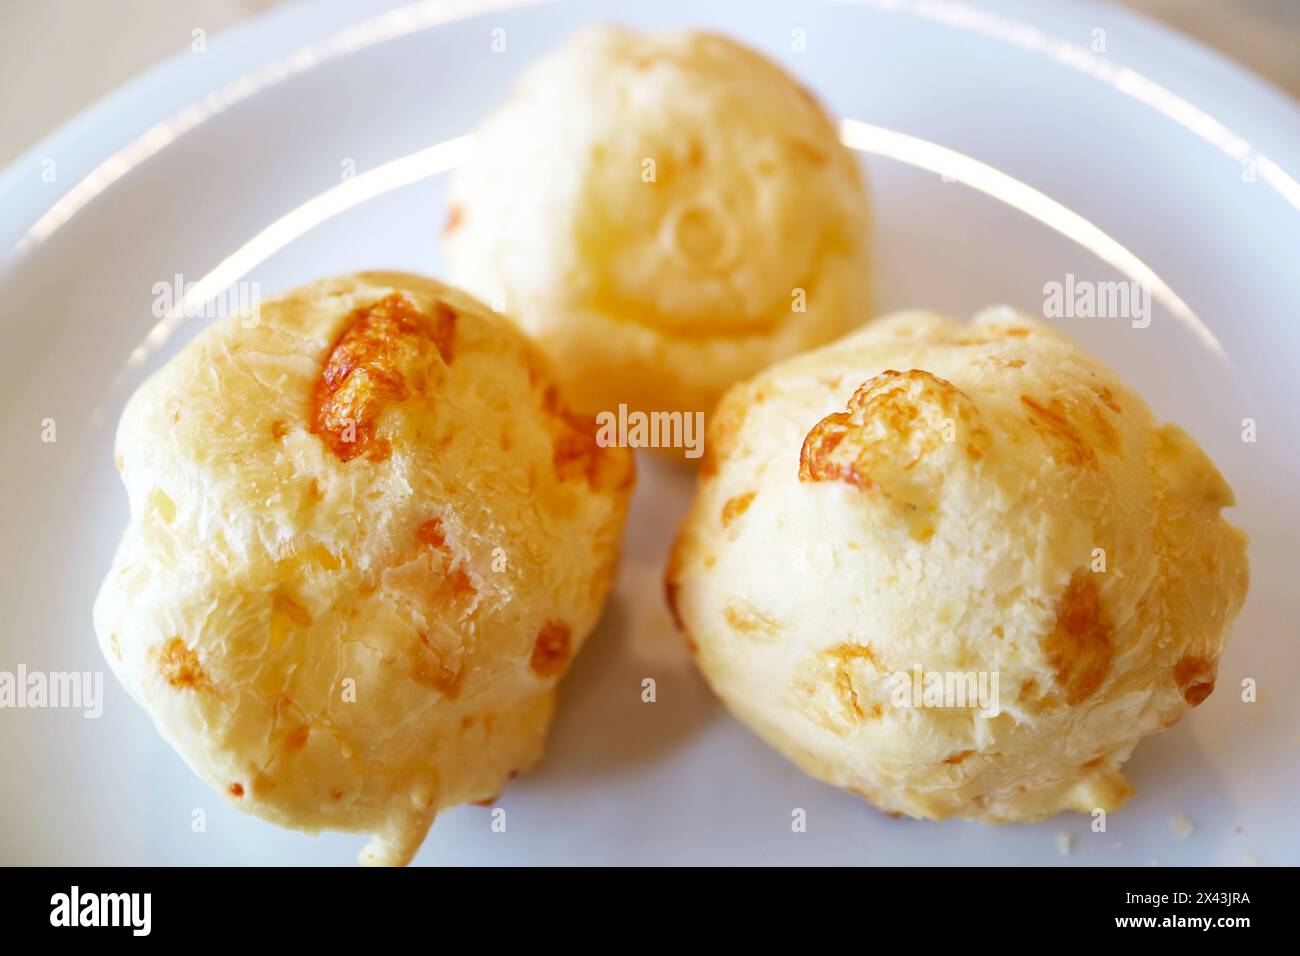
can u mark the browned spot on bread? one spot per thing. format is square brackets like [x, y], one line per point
[297, 738]
[1074, 429]
[1108, 399]
[455, 216]
[384, 354]
[578, 456]
[842, 658]
[435, 669]
[853, 652]
[180, 667]
[1059, 432]
[645, 61]
[709, 463]
[461, 583]
[444, 330]
[735, 507]
[694, 154]
[287, 615]
[1195, 678]
[551, 649]
[1079, 647]
[278, 429]
[1095, 762]
[1098, 424]
[430, 533]
[235, 790]
[808, 152]
[744, 618]
[955, 758]
[336, 794]
[891, 422]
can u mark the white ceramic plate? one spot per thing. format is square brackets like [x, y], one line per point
[1007, 144]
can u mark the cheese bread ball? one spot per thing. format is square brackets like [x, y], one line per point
[666, 213]
[958, 569]
[366, 540]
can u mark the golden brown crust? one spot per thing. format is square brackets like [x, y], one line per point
[578, 456]
[382, 356]
[179, 666]
[892, 424]
[551, 650]
[1194, 677]
[1079, 646]
[1075, 430]
[736, 506]
[912, 413]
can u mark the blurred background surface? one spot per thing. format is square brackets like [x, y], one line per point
[57, 57]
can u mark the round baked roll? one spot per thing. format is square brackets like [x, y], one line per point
[666, 214]
[956, 568]
[366, 540]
